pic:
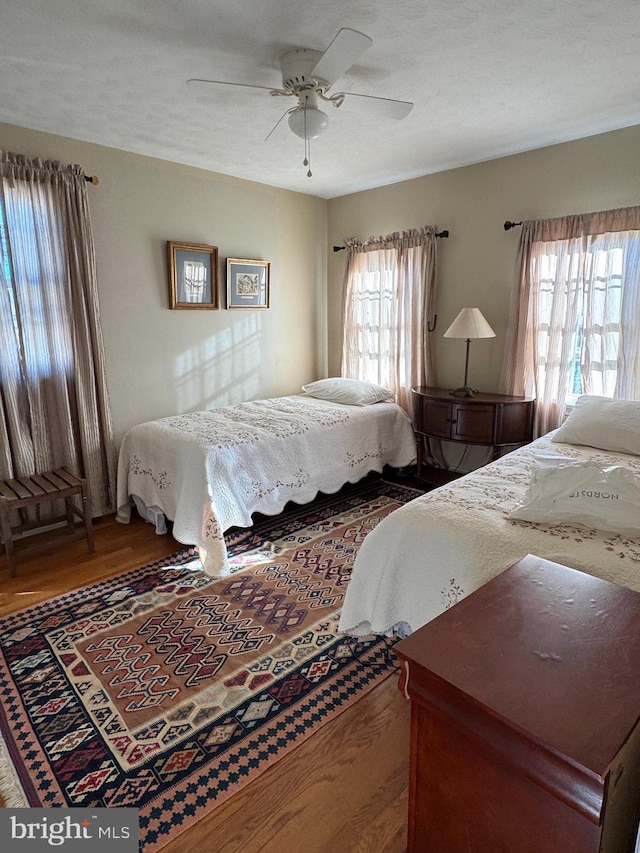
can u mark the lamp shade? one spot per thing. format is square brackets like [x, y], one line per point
[470, 323]
[308, 122]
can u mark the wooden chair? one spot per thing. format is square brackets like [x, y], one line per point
[34, 491]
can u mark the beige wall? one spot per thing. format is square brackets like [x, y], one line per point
[476, 263]
[162, 362]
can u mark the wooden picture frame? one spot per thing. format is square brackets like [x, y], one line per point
[248, 283]
[193, 276]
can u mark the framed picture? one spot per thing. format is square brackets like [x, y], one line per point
[247, 283]
[193, 275]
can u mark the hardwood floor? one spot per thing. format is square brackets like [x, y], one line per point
[343, 790]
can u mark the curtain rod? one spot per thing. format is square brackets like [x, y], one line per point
[439, 234]
[508, 225]
[92, 179]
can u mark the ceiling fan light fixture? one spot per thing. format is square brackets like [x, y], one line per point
[308, 75]
[308, 122]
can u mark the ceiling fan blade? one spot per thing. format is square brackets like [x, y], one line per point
[285, 113]
[343, 52]
[242, 85]
[386, 107]
[30, 61]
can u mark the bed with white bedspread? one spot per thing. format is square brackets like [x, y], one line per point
[442, 546]
[209, 471]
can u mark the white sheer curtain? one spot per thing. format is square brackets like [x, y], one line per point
[389, 299]
[54, 407]
[575, 319]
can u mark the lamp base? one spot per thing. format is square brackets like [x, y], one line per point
[465, 391]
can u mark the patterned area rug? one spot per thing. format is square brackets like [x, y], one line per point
[169, 691]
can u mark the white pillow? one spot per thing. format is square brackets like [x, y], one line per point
[604, 423]
[606, 497]
[350, 391]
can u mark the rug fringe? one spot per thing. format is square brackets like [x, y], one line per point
[10, 788]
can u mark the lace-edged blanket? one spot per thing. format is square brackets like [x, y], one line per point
[209, 471]
[440, 547]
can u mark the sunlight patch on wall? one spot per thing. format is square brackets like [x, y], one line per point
[223, 368]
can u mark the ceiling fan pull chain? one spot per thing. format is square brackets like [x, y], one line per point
[307, 156]
[307, 143]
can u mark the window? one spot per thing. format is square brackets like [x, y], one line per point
[36, 282]
[580, 301]
[388, 301]
[4, 257]
[53, 392]
[575, 316]
[374, 306]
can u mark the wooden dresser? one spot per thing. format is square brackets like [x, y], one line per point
[525, 709]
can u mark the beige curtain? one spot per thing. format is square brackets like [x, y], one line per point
[576, 307]
[389, 299]
[54, 407]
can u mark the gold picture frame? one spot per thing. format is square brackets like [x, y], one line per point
[248, 283]
[193, 276]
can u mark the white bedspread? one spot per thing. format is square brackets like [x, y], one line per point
[209, 471]
[440, 547]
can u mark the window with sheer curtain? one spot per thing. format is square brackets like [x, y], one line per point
[373, 314]
[576, 324]
[54, 408]
[40, 295]
[389, 296]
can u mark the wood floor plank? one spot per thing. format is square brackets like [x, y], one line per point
[344, 790]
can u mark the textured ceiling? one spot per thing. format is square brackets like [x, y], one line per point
[488, 78]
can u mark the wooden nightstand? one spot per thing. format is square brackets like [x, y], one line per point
[489, 420]
[525, 706]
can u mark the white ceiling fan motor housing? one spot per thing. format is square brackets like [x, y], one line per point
[297, 69]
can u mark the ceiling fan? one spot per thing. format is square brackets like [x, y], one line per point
[308, 75]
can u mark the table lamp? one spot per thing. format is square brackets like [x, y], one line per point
[469, 324]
